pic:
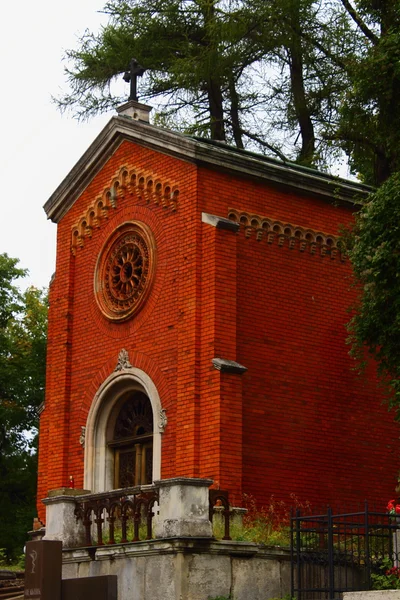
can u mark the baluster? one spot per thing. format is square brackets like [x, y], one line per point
[149, 520]
[99, 522]
[227, 514]
[124, 518]
[136, 519]
[111, 521]
[87, 522]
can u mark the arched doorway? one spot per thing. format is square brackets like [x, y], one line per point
[130, 434]
[123, 432]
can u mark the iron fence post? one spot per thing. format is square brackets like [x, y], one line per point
[291, 554]
[367, 554]
[331, 565]
[298, 555]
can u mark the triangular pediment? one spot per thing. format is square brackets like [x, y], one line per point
[117, 130]
[215, 155]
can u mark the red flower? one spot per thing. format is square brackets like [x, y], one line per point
[390, 505]
[397, 509]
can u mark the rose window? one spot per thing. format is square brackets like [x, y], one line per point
[125, 271]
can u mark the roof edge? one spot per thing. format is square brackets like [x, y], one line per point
[248, 164]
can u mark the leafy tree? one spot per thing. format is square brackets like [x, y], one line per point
[186, 47]
[299, 78]
[369, 120]
[375, 252]
[243, 71]
[23, 323]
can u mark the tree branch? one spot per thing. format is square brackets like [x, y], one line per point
[253, 136]
[359, 22]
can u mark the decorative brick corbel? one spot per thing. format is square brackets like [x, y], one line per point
[228, 366]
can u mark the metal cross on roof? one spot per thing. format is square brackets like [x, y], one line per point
[135, 71]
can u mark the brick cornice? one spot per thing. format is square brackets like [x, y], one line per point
[144, 185]
[286, 234]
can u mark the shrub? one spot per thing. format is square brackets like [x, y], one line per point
[268, 525]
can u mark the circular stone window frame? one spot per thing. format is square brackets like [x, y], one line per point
[115, 243]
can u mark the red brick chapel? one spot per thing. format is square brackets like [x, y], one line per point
[197, 326]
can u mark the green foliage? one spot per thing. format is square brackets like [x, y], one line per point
[369, 119]
[23, 322]
[268, 525]
[298, 78]
[264, 75]
[18, 564]
[375, 256]
[388, 578]
[118, 532]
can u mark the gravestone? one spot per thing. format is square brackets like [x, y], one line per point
[102, 587]
[43, 563]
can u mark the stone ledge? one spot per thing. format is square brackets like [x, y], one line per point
[64, 494]
[220, 222]
[186, 481]
[176, 545]
[213, 155]
[373, 595]
[228, 366]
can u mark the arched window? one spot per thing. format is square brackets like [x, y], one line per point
[125, 424]
[130, 434]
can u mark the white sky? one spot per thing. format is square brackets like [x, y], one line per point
[39, 145]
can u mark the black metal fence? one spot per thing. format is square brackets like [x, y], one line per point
[336, 553]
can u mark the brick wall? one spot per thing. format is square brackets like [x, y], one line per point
[311, 425]
[299, 421]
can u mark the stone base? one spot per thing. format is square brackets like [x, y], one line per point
[186, 569]
[373, 595]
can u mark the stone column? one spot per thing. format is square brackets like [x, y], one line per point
[183, 508]
[61, 523]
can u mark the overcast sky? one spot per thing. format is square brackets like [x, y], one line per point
[39, 146]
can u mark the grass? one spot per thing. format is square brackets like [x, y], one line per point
[16, 565]
[267, 526]
[118, 533]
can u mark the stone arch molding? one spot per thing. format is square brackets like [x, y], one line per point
[99, 459]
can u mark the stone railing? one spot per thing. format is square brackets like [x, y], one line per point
[170, 508]
[113, 517]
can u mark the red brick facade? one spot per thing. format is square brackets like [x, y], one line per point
[300, 420]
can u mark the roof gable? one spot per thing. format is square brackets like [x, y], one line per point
[201, 152]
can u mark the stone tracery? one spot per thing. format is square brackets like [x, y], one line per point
[125, 271]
